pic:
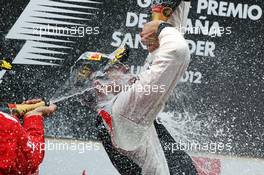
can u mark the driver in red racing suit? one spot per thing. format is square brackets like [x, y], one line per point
[22, 146]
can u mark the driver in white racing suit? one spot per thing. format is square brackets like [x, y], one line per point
[130, 116]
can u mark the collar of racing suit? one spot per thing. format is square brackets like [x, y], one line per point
[7, 116]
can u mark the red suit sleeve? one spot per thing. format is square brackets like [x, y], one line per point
[34, 141]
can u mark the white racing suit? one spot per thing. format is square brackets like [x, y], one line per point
[133, 112]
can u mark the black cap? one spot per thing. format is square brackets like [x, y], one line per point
[173, 4]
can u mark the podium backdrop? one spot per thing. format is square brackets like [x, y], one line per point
[220, 97]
